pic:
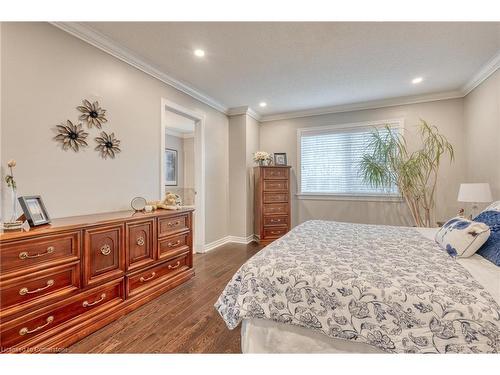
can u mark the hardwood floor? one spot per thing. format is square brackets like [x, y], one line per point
[182, 320]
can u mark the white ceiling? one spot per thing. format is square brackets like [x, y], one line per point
[299, 66]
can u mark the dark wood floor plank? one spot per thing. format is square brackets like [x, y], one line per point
[182, 320]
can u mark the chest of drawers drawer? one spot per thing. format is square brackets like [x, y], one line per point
[275, 185]
[45, 322]
[172, 246]
[270, 221]
[275, 208]
[275, 173]
[43, 287]
[41, 252]
[274, 232]
[274, 197]
[174, 224]
[143, 280]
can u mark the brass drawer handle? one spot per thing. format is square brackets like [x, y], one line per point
[140, 241]
[143, 279]
[275, 232]
[275, 220]
[170, 267]
[172, 244]
[24, 291]
[89, 304]
[173, 224]
[24, 331]
[25, 255]
[105, 249]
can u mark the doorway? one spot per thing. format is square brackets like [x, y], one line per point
[182, 162]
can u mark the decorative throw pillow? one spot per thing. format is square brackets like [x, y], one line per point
[461, 237]
[495, 206]
[491, 248]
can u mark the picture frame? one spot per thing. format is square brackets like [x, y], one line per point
[280, 158]
[171, 162]
[34, 210]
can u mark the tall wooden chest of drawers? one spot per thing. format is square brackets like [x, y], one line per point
[272, 202]
[63, 281]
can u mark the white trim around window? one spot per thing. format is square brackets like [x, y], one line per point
[344, 128]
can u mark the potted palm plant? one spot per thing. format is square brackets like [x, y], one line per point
[390, 163]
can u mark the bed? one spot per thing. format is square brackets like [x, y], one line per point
[331, 287]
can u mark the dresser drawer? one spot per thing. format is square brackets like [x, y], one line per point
[275, 173]
[173, 224]
[46, 286]
[140, 243]
[275, 208]
[173, 246]
[275, 197]
[104, 254]
[48, 321]
[145, 279]
[270, 221]
[275, 185]
[274, 232]
[46, 251]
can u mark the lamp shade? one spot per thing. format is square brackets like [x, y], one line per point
[476, 193]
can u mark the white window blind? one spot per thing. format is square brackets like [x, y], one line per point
[330, 160]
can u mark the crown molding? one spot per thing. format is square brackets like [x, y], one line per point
[374, 104]
[244, 110]
[487, 70]
[93, 37]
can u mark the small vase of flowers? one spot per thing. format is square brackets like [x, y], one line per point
[262, 158]
[11, 183]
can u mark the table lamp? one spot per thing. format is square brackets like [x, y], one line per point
[474, 193]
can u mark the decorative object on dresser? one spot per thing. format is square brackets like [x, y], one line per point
[34, 210]
[262, 158]
[13, 222]
[280, 158]
[272, 202]
[61, 282]
[138, 204]
[474, 193]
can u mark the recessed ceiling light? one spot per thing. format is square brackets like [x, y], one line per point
[417, 80]
[199, 52]
[262, 104]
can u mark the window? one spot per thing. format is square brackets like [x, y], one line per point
[330, 158]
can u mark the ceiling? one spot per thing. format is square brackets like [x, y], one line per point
[300, 66]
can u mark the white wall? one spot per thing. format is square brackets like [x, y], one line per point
[45, 73]
[482, 133]
[447, 115]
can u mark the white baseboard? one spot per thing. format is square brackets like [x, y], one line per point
[228, 239]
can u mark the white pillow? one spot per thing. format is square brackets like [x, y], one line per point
[462, 237]
[495, 206]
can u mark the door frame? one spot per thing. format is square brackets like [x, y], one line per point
[199, 165]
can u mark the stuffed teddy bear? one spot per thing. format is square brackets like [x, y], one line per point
[172, 201]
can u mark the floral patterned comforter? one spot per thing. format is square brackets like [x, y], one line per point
[385, 286]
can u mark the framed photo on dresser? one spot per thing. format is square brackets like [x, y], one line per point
[280, 158]
[34, 210]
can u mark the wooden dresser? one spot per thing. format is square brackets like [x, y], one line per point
[63, 281]
[272, 202]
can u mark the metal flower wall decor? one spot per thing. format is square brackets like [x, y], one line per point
[71, 136]
[92, 114]
[107, 145]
